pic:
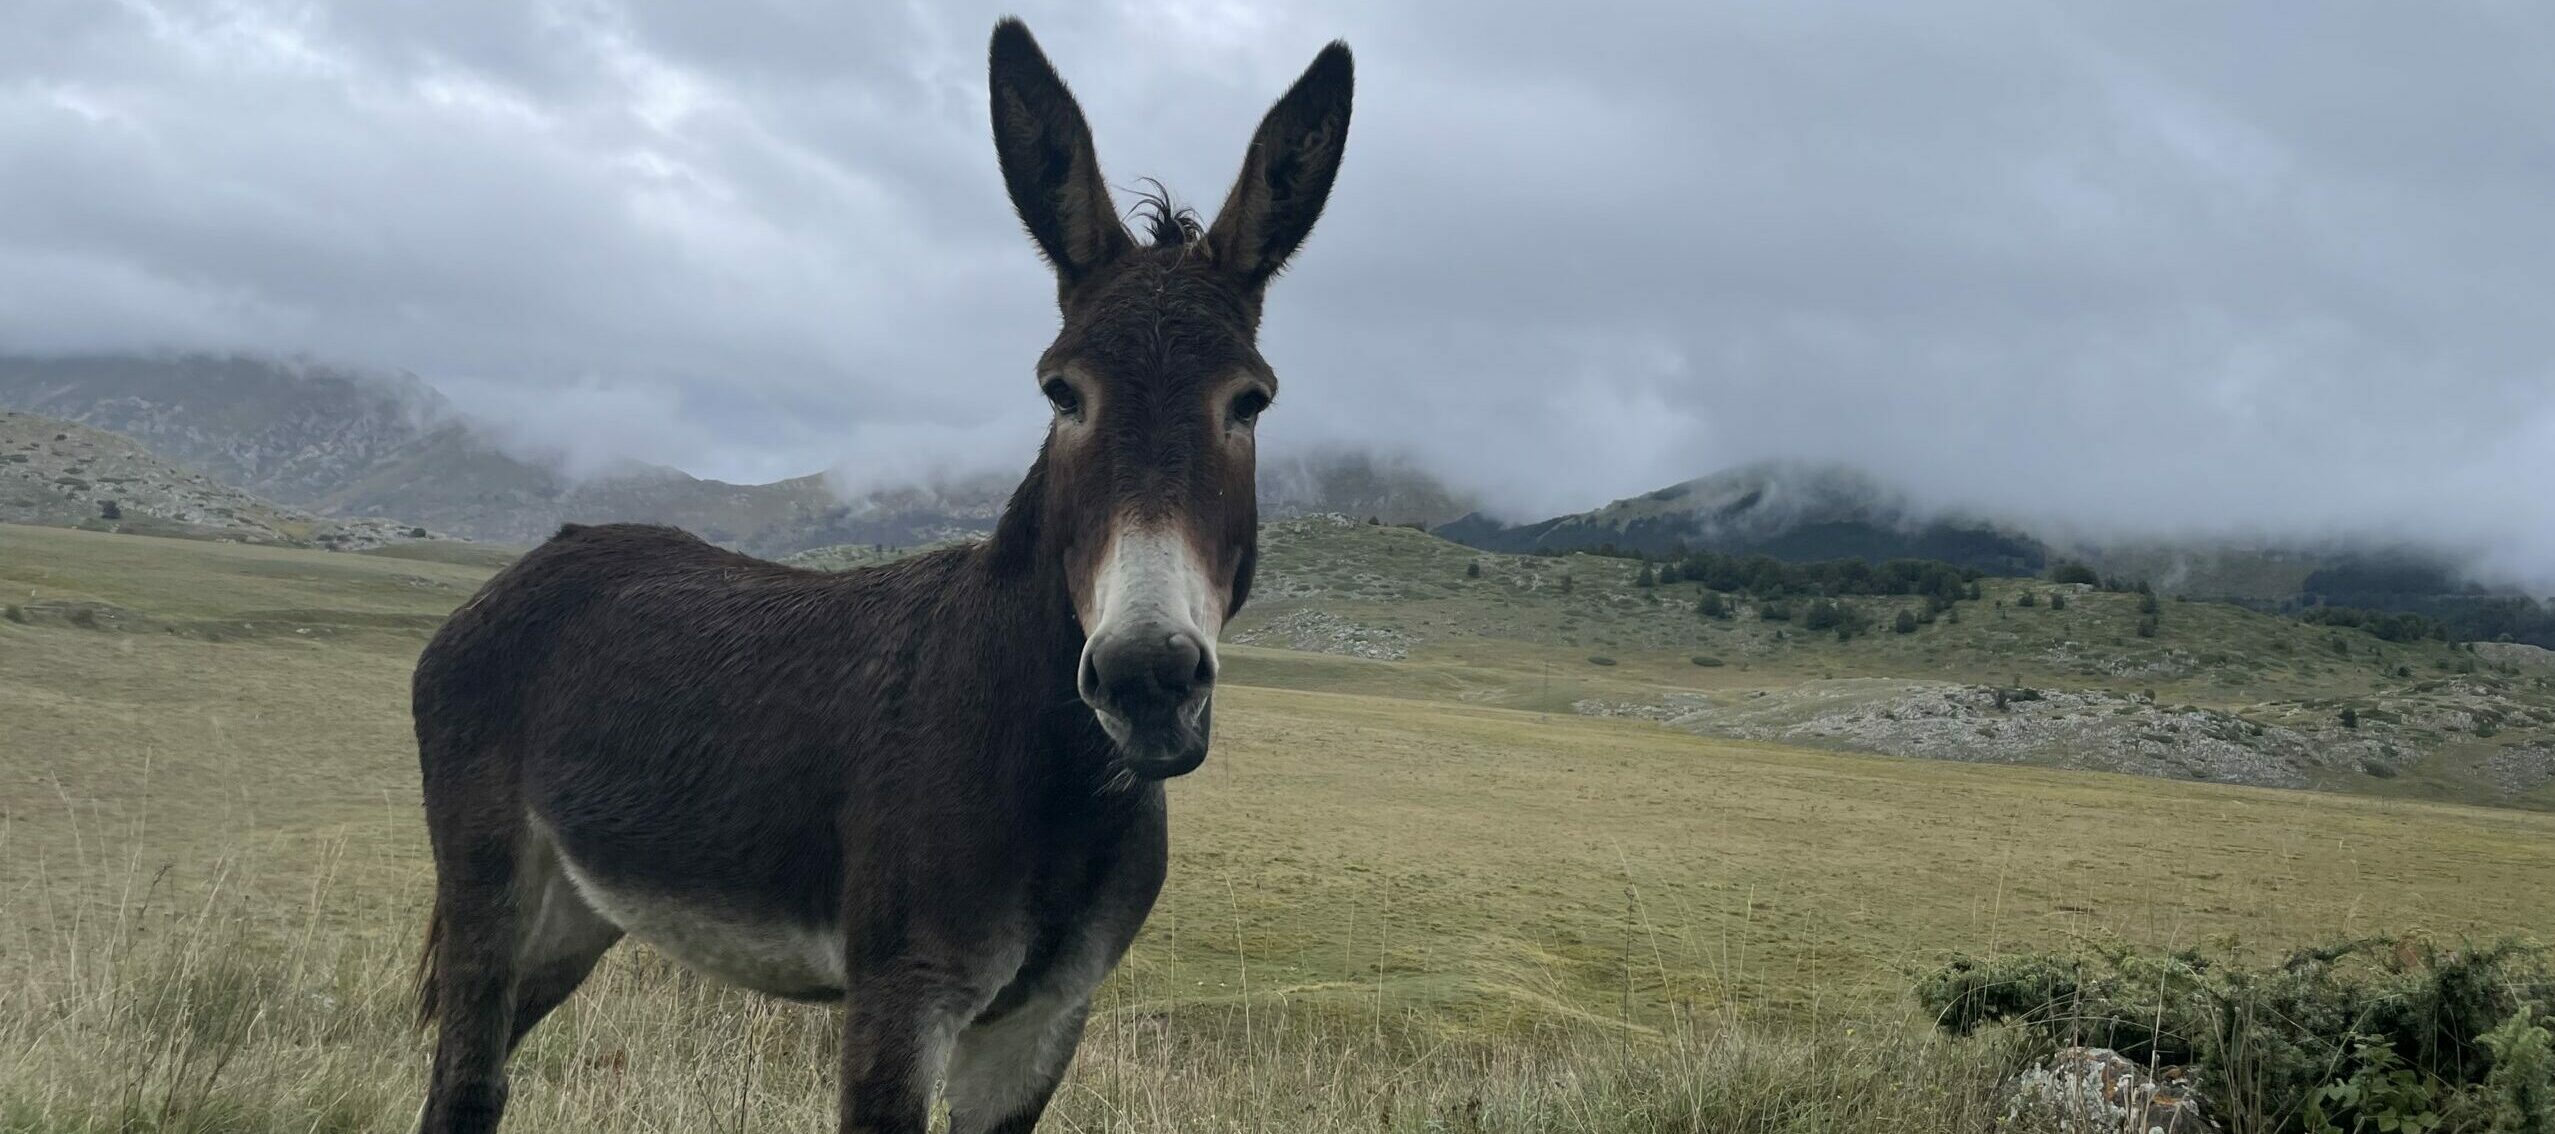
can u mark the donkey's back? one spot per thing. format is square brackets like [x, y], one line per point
[627, 730]
[642, 650]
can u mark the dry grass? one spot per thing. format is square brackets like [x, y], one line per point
[205, 1019]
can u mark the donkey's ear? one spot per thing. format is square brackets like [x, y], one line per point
[1047, 159]
[1288, 172]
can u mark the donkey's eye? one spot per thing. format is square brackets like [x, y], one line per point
[1060, 394]
[1248, 404]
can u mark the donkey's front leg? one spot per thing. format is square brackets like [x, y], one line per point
[897, 1031]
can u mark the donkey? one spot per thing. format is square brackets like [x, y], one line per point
[929, 791]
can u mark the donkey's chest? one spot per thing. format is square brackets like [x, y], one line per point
[732, 941]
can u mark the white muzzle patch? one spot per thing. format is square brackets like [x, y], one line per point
[1152, 580]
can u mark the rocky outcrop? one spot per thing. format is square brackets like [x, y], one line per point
[2091, 730]
[2093, 1090]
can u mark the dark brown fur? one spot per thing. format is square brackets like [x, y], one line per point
[906, 755]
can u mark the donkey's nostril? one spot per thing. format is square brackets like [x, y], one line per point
[1183, 665]
[1087, 682]
[1205, 676]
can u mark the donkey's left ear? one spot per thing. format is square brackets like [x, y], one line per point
[1288, 172]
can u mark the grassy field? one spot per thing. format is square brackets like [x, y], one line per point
[1397, 901]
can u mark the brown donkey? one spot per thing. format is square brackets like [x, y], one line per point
[928, 791]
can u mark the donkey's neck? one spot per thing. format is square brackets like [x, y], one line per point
[1029, 642]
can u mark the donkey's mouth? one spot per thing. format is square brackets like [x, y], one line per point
[1160, 745]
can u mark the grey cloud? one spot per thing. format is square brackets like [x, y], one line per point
[2157, 267]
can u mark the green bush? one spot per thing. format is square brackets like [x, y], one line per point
[1905, 623]
[1600, 659]
[1707, 661]
[2074, 573]
[1844, 618]
[2363, 1035]
[1822, 615]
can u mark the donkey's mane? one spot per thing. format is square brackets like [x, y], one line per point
[1167, 223]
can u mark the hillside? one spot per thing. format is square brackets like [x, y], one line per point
[1794, 510]
[61, 474]
[2218, 692]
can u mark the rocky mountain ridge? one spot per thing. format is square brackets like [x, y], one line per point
[62, 474]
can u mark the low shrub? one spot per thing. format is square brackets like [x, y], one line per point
[2373, 1034]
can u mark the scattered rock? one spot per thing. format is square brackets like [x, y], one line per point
[2091, 730]
[2093, 1090]
[84, 614]
[2521, 769]
[2519, 654]
[1322, 632]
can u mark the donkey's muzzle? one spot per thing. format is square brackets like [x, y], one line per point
[1150, 690]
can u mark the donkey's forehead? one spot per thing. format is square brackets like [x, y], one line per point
[1159, 312]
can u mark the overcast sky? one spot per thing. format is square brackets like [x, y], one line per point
[2272, 267]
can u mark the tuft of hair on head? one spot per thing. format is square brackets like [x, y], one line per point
[1167, 223]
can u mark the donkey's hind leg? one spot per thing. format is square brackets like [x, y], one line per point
[512, 939]
[468, 991]
[560, 940]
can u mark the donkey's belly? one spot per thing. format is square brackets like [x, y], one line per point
[760, 951]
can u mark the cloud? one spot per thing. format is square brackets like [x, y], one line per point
[2176, 266]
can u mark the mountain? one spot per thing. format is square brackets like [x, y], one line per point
[287, 431]
[348, 444]
[1804, 511]
[57, 473]
[1357, 484]
[1794, 510]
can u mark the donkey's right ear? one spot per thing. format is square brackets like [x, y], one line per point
[1048, 161]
